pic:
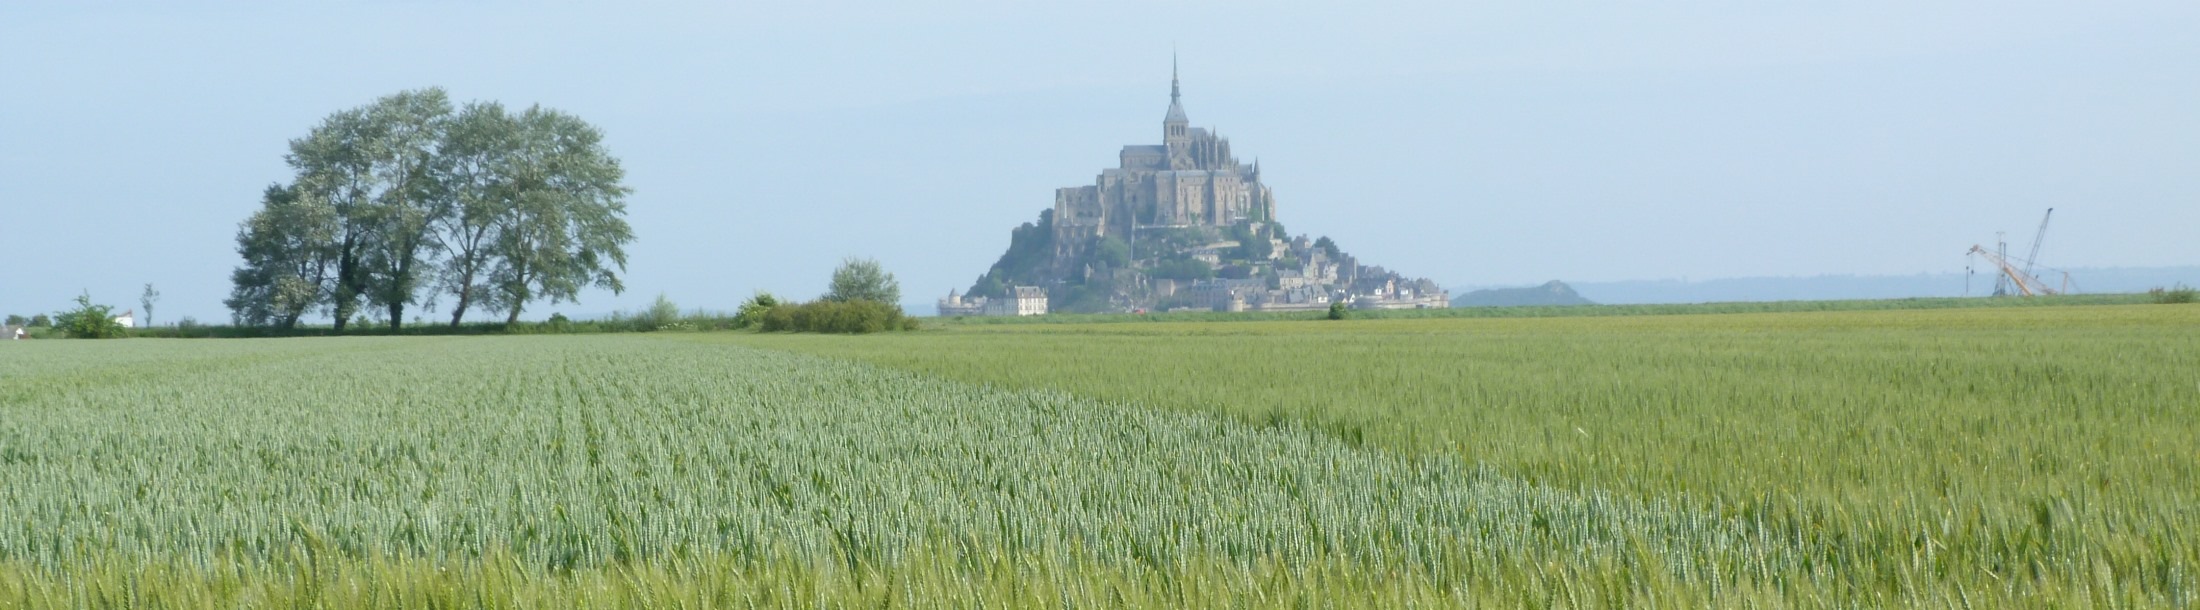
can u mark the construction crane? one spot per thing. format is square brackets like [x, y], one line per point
[2036, 239]
[2026, 284]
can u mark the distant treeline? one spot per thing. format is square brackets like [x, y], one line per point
[721, 321]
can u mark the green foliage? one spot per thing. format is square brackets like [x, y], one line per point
[40, 320]
[1174, 242]
[988, 286]
[1252, 245]
[2174, 295]
[844, 317]
[17, 320]
[402, 198]
[566, 230]
[89, 321]
[1030, 253]
[1182, 269]
[147, 300]
[1112, 252]
[393, 260]
[1079, 297]
[1337, 310]
[863, 279]
[1329, 248]
[291, 257]
[752, 311]
[662, 314]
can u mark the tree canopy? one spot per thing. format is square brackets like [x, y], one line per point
[862, 279]
[1030, 253]
[89, 321]
[407, 199]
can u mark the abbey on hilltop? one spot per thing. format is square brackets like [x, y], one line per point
[1180, 225]
[1189, 180]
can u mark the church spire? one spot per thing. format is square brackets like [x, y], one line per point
[1176, 105]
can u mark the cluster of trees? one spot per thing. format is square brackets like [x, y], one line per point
[409, 199]
[1253, 246]
[863, 298]
[39, 320]
[1182, 269]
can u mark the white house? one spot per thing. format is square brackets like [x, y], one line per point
[1028, 301]
[128, 319]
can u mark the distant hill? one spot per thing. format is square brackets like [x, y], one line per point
[1553, 292]
[1839, 287]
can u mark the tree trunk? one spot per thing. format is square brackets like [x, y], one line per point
[347, 284]
[401, 284]
[514, 317]
[465, 296]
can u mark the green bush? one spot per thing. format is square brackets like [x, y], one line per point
[1336, 310]
[89, 321]
[1183, 270]
[2174, 294]
[752, 311]
[661, 315]
[849, 317]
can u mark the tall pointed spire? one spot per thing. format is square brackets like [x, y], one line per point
[1176, 106]
[1174, 93]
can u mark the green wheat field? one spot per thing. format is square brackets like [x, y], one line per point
[1989, 457]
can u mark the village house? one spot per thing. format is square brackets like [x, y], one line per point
[1020, 301]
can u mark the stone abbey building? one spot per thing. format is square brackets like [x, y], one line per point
[1189, 180]
[1180, 225]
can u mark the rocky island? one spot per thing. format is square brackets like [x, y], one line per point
[1181, 225]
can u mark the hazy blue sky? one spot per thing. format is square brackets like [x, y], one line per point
[1476, 144]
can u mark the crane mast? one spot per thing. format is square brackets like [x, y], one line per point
[2034, 258]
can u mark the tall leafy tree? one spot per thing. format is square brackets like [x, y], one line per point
[566, 228]
[863, 279]
[334, 165]
[479, 167]
[146, 300]
[290, 256]
[410, 129]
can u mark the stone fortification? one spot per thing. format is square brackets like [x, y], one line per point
[1179, 225]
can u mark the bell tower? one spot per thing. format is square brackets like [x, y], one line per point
[1176, 130]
